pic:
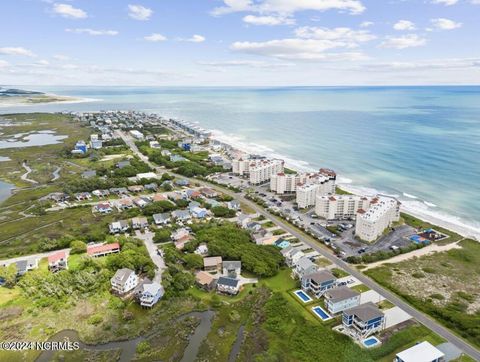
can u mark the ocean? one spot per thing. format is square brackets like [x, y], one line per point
[420, 144]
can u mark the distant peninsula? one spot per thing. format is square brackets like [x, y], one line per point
[10, 97]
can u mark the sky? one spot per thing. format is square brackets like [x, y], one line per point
[239, 42]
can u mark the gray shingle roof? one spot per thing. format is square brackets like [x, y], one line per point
[230, 282]
[365, 312]
[341, 293]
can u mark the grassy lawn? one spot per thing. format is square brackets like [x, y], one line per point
[339, 273]
[360, 288]
[446, 286]
[385, 304]
[323, 262]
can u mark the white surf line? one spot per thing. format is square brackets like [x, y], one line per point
[24, 177]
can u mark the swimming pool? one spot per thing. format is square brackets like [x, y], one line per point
[302, 296]
[371, 342]
[320, 312]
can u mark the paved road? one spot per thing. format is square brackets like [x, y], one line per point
[419, 316]
[147, 238]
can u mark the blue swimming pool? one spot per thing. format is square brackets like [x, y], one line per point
[371, 342]
[321, 313]
[303, 296]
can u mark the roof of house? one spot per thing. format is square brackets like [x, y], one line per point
[230, 282]
[321, 276]
[305, 263]
[365, 312]
[286, 250]
[204, 278]
[422, 352]
[152, 288]
[121, 276]
[139, 220]
[341, 293]
[21, 265]
[94, 249]
[181, 214]
[232, 264]
[53, 258]
[161, 217]
[212, 260]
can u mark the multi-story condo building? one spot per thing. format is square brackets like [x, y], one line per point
[341, 298]
[282, 183]
[337, 207]
[363, 320]
[260, 171]
[240, 166]
[382, 213]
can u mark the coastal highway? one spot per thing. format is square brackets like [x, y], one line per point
[427, 321]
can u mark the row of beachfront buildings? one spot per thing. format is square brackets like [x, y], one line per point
[372, 214]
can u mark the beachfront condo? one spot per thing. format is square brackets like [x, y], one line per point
[372, 223]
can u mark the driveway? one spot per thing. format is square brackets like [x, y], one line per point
[370, 296]
[147, 238]
[394, 316]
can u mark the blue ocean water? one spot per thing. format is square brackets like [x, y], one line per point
[418, 143]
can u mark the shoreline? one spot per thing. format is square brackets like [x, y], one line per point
[67, 100]
[414, 206]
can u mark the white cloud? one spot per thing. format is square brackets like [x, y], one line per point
[403, 42]
[268, 20]
[194, 39]
[139, 12]
[42, 62]
[61, 57]
[245, 63]
[4, 63]
[17, 51]
[296, 49]
[348, 37]
[404, 25]
[445, 2]
[92, 31]
[68, 11]
[288, 6]
[429, 64]
[445, 24]
[155, 37]
[366, 24]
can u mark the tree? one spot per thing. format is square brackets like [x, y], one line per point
[9, 275]
[193, 261]
[78, 247]
[222, 211]
[182, 281]
[162, 236]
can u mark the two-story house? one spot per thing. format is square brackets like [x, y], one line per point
[124, 281]
[341, 298]
[363, 320]
[318, 282]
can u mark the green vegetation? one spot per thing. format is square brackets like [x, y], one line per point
[361, 288]
[420, 224]
[339, 191]
[233, 243]
[339, 273]
[455, 301]
[222, 211]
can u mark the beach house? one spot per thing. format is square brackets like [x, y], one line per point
[150, 294]
[139, 223]
[228, 285]
[363, 320]
[232, 269]
[304, 266]
[341, 298]
[118, 227]
[98, 250]
[124, 281]
[212, 264]
[57, 261]
[161, 219]
[318, 282]
[205, 280]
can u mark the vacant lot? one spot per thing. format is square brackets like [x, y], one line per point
[445, 285]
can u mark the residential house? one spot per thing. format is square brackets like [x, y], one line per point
[119, 191]
[154, 144]
[292, 255]
[25, 265]
[124, 281]
[282, 243]
[123, 164]
[192, 194]
[141, 201]
[89, 174]
[57, 261]
[151, 187]
[199, 212]
[161, 219]
[98, 250]
[212, 264]
[202, 249]
[205, 280]
[151, 294]
[208, 192]
[363, 320]
[313, 281]
[179, 234]
[232, 269]
[118, 227]
[139, 223]
[243, 220]
[212, 202]
[182, 182]
[193, 204]
[421, 352]
[125, 203]
[101, 193]
[82, 196]
[341, 298]
[159, 197]
[254, 226]
[166, 153]
[177, 158]
[146, 175]
[233, 205]
[181, 215]
[174, 196]
[135, 188]
[103, 208]
[228, 285]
